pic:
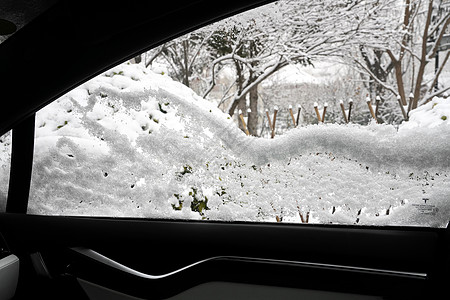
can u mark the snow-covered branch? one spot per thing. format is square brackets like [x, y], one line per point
[374, 77]
[429, 97]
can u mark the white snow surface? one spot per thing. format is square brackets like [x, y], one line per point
[134, 143]
[435, 113]
[319, 73]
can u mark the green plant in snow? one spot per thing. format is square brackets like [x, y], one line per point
[161, 109]
[198, 202]
[61, 126]
[180, 202]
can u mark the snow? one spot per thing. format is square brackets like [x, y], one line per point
[320, 73]
[434, 114]
[134, 143]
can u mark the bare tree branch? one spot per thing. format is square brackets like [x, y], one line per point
[387, 87]
[431, 96]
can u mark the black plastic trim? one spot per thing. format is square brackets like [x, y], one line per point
[21, 166]
[401, 249]
[113, 264]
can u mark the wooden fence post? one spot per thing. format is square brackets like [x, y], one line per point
[324, 112]
[270, 121]
[243, 122]
[341, 103]
[371, 108]
[378, 101]
[317, 111]
[275, 111]
[292, 115]
[350, 105]
[298, 113]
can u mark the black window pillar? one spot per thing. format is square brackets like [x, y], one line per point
[21, 166]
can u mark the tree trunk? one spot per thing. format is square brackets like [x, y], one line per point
[253, 116]
[423, 58]
[399, 79]
[398, 76]
[186, 63]
[239, 82]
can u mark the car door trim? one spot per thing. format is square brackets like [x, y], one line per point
[109, 262]
[9, 276]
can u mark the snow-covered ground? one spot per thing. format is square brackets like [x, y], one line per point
[135, 143]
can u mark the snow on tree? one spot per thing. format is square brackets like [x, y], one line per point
[286, 32]
[261, 42]
[404, 40]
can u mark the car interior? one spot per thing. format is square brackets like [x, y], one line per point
[62, 44]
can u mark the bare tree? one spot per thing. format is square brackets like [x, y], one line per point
[186, 57]
[410, 37]
[286, 32]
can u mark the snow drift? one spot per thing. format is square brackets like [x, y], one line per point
[133, 143]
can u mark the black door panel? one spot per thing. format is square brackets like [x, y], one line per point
[230, 291]
[397, 263]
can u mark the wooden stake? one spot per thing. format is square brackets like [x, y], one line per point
[302, 218]
[317, 111]
[377, 101]
[350, 104]
[371, 108]
[243, 122]
[292, 115]
[268, 118]
[275, 111]
[341, 103]
[298, 113]
[405, 116]
[324, 111]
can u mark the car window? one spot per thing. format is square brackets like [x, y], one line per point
[5, 164]
[294, 112]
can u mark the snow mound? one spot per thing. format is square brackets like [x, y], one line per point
[134, 143]
[433, 114]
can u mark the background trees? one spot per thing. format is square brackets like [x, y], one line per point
[389, 43]
[398, 62]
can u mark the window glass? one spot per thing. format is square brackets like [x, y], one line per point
[5, 164]
[295, 112]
